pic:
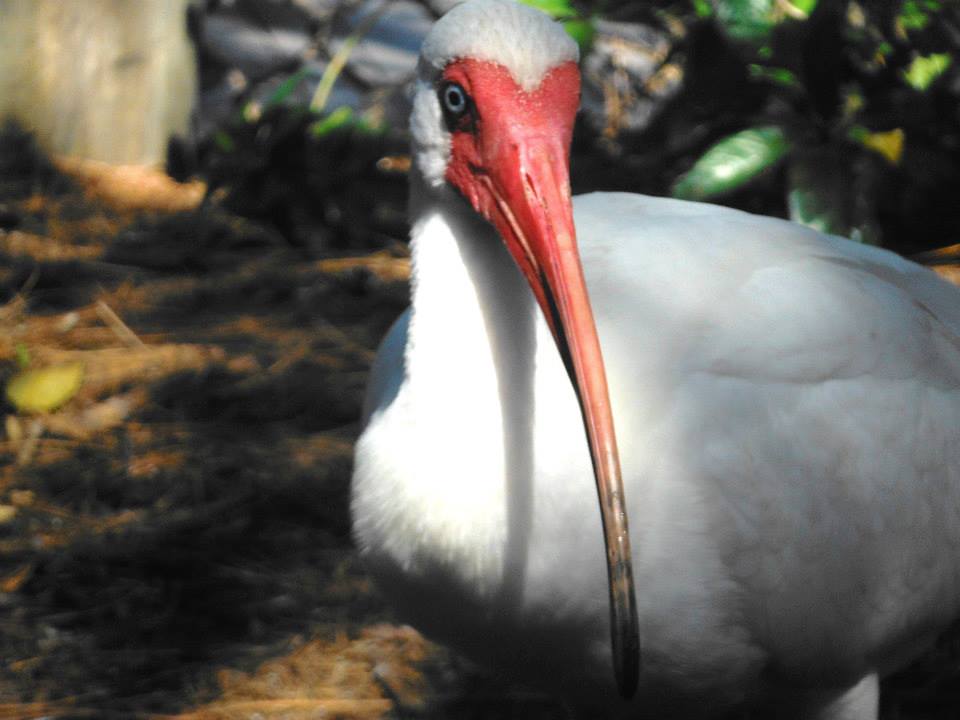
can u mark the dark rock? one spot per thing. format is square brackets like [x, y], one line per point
[627, 77]
[256, 50]
[387, 54]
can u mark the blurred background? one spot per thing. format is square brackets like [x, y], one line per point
[203, 238]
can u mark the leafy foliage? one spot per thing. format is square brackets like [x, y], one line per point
[841, 114]
[754, 20]
[923, 70]
[313, 177]
[578, 27]
[732, 162]
[859, 102]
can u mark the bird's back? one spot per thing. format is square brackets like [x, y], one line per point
[803, 393]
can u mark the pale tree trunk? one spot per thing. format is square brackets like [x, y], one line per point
[106, 80]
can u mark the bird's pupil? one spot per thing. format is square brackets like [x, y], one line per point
[454, 97]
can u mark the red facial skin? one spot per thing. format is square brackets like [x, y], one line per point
[510, 160]
[517, 133]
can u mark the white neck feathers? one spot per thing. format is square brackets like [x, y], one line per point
[470, 358]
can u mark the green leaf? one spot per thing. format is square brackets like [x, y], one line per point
[828, 190]
[816, 194]
[344, 118]
[702, 8]
[45, 389]
[750, 20]
[776, 75]
[732, 163]
[805, 6]
[285, 89]
[579, 28]
[913, 15]
[925, 69]
[557, 9]
[753, 20]
[341, 117]
[852, 103]
[23, 355]
[224, 141]
[889, 144]
[582, 31]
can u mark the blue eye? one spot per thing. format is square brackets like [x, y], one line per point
[454, 99]
[459, 111]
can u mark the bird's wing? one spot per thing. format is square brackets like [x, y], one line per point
[740, 294]
[807, 389]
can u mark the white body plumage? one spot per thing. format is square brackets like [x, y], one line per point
[788, 412]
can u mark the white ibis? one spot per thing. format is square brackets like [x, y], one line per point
[786, 404]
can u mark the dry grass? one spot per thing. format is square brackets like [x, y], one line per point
[174, 541]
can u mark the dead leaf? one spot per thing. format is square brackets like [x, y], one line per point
[43, 390]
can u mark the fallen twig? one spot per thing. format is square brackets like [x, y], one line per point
[119, 327]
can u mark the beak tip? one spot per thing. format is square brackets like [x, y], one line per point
[628, 673]
[626, 637]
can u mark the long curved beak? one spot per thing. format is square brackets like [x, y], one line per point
[534, 213]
